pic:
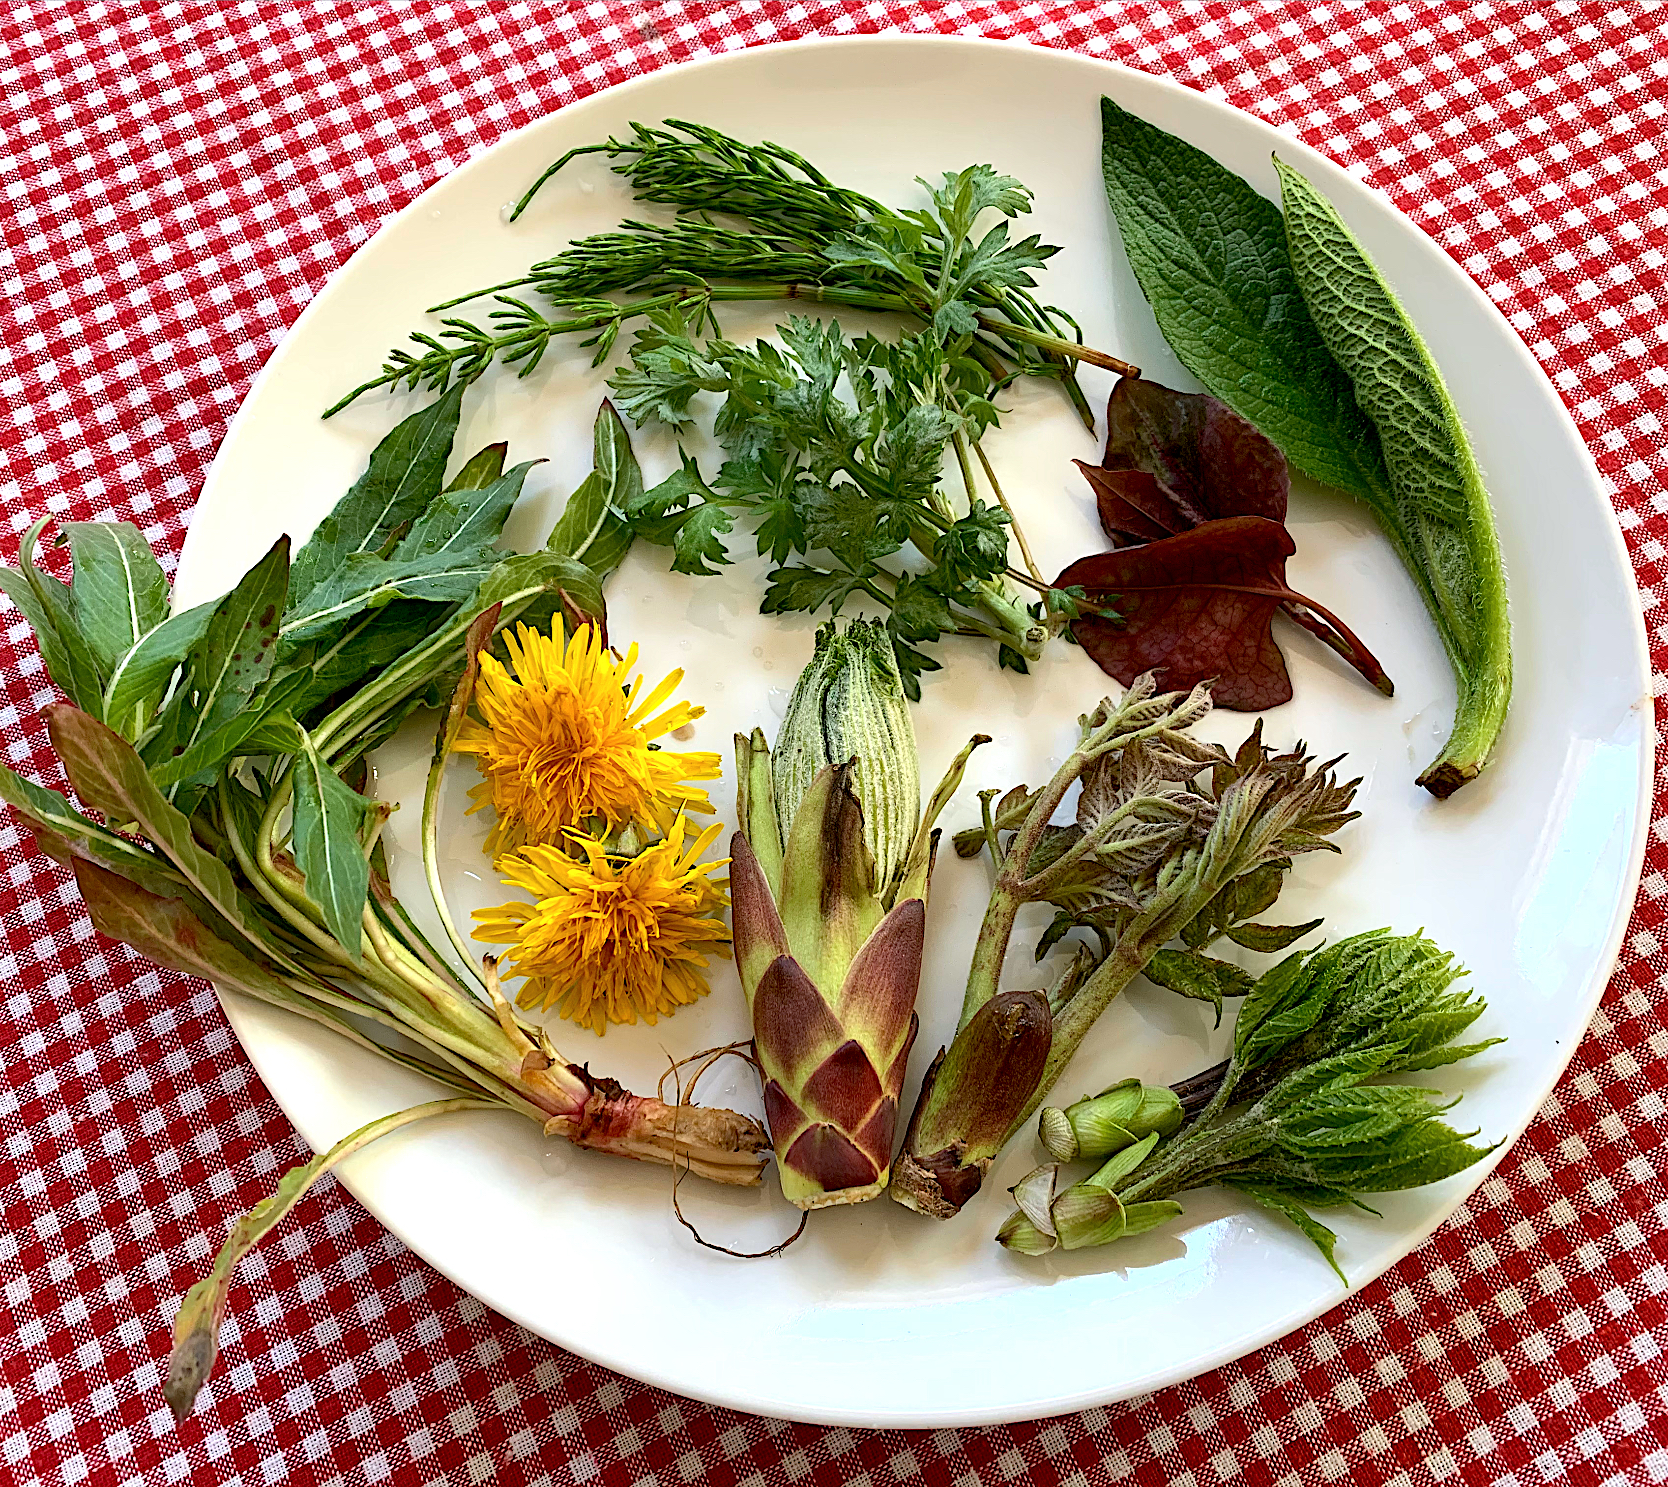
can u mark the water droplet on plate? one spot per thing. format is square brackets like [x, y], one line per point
[586, 188]
[506, 212]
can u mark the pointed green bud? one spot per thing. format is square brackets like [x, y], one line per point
[1085, 1216]
[849, 704]
[1114, 1119]
[1023, 1237]
[1121, 1163]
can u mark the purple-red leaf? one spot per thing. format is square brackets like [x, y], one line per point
[1194, 607]
[875, 1138]
[877, 999]
[844, 1087]
[784, 1118]
[1195, 499]
[757, 927]
[1176, 459]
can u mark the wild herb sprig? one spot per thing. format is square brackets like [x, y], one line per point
[839, 484]
[1297, 1122]
[795, 235]
[836, 454]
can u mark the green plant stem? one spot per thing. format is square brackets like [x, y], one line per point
[524, 341]
[1008, 895]
[1013, 516]
[198, 1321]
[1073, 1021]
[431, 860]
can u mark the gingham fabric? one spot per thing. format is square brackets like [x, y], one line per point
[179, 180]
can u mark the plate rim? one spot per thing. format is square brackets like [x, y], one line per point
[1465, 1185]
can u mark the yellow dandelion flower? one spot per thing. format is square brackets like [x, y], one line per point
[611, 940]
[565, 741]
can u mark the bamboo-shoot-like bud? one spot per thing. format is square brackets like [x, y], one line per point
[1094, 1128]
[827, 939]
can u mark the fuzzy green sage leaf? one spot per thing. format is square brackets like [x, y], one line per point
[1210, 256]
[1442, 513]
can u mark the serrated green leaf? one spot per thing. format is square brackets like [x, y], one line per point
[1269, 939]
[665, 372]
[912, 665]
[1354, 1117]
[697, 544]
[1277, 1201]
[919, 611]
[1202, 978]
[1282, 1005]
[1441, 1056]
[796, 590]
[673, 494]
[1421, 1153]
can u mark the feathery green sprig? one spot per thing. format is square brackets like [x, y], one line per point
[795, 236]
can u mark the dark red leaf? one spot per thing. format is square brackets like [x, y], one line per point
[793, 1030]
[1182, 476]
[876, 1137]
[844, 1088]
[1200, 460]
[828, 1158]
[785, 1119]
[877, 998]
[1194, 607]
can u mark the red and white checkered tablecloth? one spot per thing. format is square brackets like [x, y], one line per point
[179, 179]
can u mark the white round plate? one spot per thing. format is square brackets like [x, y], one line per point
[879, 1317]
